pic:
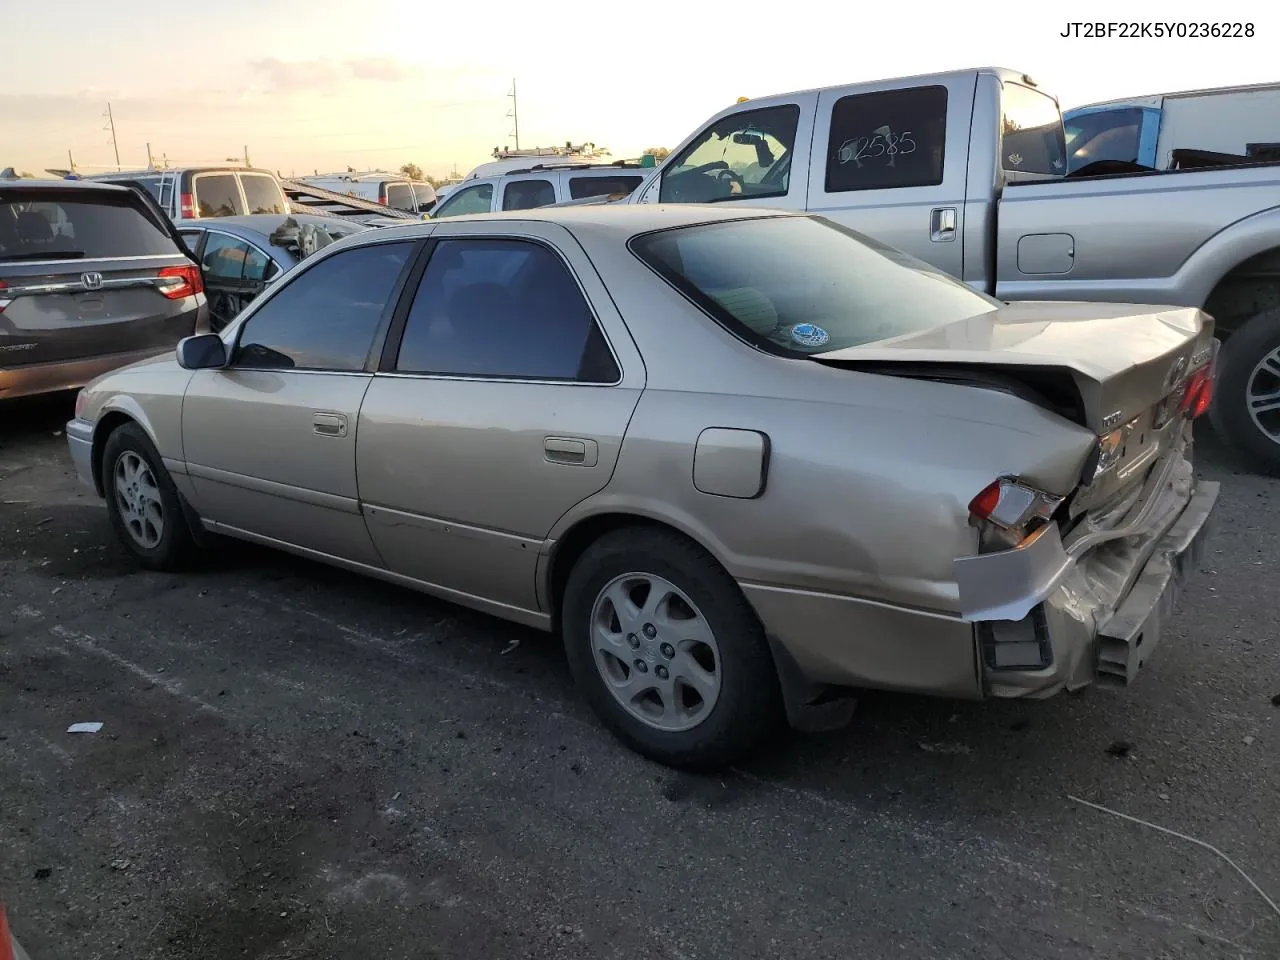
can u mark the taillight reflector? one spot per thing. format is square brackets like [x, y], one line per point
[179, 282]
[187, 204]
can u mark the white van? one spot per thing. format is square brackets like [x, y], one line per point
[540, 185]
[411, 196]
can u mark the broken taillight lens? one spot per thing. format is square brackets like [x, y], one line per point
[178, 282]
[1012, 505]
[1199, 393]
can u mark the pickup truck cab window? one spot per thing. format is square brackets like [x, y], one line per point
[744, 156]
[893, 138]
[1031, 134]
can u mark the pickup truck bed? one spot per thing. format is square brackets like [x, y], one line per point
[966, 171]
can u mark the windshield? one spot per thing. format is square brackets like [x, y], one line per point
[800, 286]
[743, 156]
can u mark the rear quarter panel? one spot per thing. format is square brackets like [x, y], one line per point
[1160, 238]
[869, 477]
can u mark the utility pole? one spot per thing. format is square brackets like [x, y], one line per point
[71, 163]
[111, 125]
[150, 162]
[515, 111]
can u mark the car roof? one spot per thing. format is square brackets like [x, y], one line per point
[264, 223]
[611, 221]
[59, 184]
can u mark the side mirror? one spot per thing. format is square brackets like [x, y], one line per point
[203, 352]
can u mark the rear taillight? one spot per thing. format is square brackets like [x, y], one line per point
[1013, 506]
[178, 282]
[187, 206]
[1199, 393]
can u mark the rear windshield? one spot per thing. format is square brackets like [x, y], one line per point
[800, 286]
[218, 195]
[400, 196]
[262, 193]
[57, 225]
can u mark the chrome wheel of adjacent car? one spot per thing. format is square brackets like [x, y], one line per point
[655, 651]
[138, 499]
[1263, 395]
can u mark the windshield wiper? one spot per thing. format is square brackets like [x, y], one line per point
[45, 255]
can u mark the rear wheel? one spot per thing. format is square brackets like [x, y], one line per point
[1246, 404]
[142, 501]
[668, 651]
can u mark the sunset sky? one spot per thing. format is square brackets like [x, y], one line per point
[327, 84]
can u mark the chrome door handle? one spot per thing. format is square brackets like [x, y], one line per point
[570, 450]
[329, 424]
[942, 224]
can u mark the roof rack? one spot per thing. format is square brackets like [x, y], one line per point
[613, 165]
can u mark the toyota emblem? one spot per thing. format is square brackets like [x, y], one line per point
[1175, 372]
[91, 281]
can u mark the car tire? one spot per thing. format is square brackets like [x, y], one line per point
[1240, 377]
[144, 505]
[718, 700]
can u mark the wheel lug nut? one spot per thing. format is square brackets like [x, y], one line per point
[661, 671]
[650, 630]
[668, 650]
[641, 666]
[633, 641]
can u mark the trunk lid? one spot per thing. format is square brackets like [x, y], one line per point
[1119, 369]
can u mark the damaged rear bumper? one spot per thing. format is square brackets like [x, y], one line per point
[1049, 615]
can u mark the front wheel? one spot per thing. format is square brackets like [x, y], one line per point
[667, 650]
[142, 501]
[1246, 403]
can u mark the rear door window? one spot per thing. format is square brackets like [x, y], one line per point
[528, 194]
[72, 225]
[506, 309]
[582, 187]
[218, 195]
[888, 139]
[262, 194]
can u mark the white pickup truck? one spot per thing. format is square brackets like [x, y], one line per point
[967, 169]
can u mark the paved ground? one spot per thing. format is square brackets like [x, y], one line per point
[298, 763]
